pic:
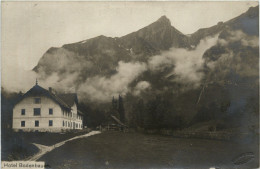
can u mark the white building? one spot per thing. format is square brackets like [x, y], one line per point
[43, 110]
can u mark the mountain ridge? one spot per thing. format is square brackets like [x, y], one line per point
[159, 36]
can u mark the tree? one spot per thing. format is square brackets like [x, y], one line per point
[139, 109]
[121, 109]
[114, 108]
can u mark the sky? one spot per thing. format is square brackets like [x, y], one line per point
[29, 29]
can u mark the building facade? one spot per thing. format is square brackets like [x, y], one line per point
[43, 110]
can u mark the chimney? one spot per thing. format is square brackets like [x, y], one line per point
[51, 90]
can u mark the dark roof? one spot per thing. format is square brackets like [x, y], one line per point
[79, 112]
[118, 121]
[69, 98]
[39, 91]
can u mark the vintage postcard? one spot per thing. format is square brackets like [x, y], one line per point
[130, 85]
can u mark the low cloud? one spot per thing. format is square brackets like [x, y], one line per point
[17, 79]
[239, 36]
[186, 64]
[63, 62]
[237, 60]
[141, 86]
[73, 72]
[61, 83]
[100, 88]
[222, 60]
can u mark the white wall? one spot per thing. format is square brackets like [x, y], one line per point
[46, 103]
[75, 117]
[29, 118]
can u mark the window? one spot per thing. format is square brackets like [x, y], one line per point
[37, 100]
[22, 123]
[63, 124]
[50, 111]
[36, 111]
[22, 111]
[36, 123]
[50, 122]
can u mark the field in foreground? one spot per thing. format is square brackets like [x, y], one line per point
[135, 150]
[18, 145]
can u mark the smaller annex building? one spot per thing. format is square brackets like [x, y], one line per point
[44, 110]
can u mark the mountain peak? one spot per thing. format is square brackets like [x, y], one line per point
[164, 19]
[253, 12]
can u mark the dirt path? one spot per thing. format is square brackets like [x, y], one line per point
[45, 149]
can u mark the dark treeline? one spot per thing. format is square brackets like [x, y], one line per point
[216, 108]
[8, 100]
[167, 109]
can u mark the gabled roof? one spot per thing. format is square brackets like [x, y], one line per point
[39, 91]
[69, 98]
[118, 121]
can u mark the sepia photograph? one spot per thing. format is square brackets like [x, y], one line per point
[130, 85]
